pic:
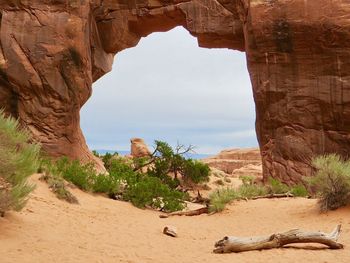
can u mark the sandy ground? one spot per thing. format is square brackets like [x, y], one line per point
[103, 230]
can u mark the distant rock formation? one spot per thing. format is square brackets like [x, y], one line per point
[139, 148]
[298, 55]
[237, 162]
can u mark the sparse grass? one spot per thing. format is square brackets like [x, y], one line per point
[247, 179]
[19, 159]
[220, 198]
[58, 187]
[331, 182]
[249, 190]
[277, 187]
[253, 190]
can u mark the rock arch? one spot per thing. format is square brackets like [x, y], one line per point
[298, 55]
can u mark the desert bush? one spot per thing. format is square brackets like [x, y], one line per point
[331, 181]
[107, 159]
[121, 181]
[165, 161]
[299, 190]
[152, 192]
[277, 187]
[220, 198]
[155, 188]
[195, 171]
[83, 176]
[19, 159]
[146, 190]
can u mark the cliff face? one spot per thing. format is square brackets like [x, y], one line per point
[298, 56]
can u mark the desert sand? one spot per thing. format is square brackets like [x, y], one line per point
[104, 230]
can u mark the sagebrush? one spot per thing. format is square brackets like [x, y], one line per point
[19, 159]
[331, 181]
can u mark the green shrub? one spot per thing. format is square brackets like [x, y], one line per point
[146, 190]
[81, 175]
[277, 187]
[195, 171]
[332, 181]
[221, 197]
[19, 159]
[107, 159]
[299, 190]
[156, 188]
[151, 192]
[165, 161]
[121, 180]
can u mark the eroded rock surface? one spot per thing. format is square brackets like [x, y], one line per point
[298, 55]
[237, 162]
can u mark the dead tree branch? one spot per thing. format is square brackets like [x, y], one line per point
[239, 244]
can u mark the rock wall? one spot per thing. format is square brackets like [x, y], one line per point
[51, 51]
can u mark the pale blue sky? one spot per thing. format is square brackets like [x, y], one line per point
[167, 88]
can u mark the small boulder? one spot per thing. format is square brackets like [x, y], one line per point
[170, 231]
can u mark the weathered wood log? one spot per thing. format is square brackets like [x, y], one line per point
[238, 244]
[170, 231]
[272, 196]
[203, 210]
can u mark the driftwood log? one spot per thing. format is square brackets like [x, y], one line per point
[238, 244]
[204, 210]
[270, 196]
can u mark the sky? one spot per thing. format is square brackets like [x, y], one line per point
[167, 88]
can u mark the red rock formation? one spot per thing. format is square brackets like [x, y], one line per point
[298, 59]
[139, 148]
[237, 162]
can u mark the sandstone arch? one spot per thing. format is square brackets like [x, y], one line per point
[298, 55]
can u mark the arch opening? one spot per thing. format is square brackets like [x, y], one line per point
[167, 88]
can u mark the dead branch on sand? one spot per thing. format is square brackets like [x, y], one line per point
[239, 244]
[268, 196]
[203, 210]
